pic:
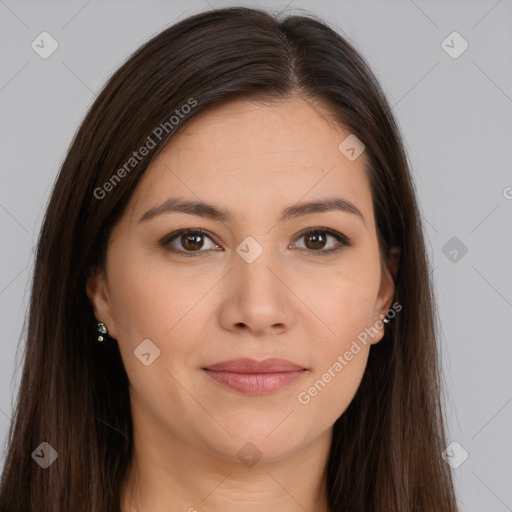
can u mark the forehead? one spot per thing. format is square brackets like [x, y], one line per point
[274, 131]
[252, 154]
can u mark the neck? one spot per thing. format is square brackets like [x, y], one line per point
[170, 474]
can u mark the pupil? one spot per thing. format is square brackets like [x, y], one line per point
[191, 241]
[319, 241]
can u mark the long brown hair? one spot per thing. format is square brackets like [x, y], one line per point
[386, 449]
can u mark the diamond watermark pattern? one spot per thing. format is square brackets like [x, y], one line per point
[249, 249]
[351, 147]
[146, 352]
[455, 455]
[44, 45]
[249, 454]
[454, 249]
[454, 45]
[44, 455]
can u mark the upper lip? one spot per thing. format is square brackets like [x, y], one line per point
[245, 365]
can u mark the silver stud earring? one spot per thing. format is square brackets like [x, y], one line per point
[102, 329]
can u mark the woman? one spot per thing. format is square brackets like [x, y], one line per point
[231, 306]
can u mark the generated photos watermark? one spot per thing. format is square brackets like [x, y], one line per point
[304, 397]
[159, 133]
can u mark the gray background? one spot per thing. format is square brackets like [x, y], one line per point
[456, 118]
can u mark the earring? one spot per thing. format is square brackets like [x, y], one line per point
[386, 320]
[102, 329]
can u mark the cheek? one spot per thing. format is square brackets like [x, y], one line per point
[333, 388]
[150, 301]
[345, 303]
[341, 353]
[345, 299]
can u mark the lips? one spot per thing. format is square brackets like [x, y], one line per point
[245, 365]
[255, 377]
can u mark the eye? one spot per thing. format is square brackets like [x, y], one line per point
[316, 239]
[190, 240]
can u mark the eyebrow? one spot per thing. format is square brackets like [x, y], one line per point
[213, 212]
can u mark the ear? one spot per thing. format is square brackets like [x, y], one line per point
[98, 293]
[386, 292]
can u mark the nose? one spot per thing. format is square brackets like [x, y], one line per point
[257, 298]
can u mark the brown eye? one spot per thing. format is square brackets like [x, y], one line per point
[192, 241]
[187, 242]
[316, 239]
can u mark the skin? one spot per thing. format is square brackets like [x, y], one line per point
[255, 159]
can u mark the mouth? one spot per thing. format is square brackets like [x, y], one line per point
[252, 377]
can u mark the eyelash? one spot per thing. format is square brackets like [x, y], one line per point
[342, 239]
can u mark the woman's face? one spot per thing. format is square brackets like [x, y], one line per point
[253, 285]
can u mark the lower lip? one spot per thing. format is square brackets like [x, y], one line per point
[255, 383]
